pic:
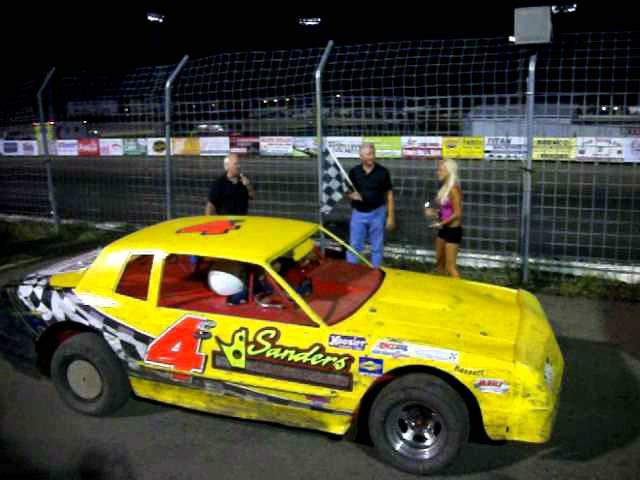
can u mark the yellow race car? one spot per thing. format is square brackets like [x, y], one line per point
[252, 317]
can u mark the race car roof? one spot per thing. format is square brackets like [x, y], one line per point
[246, 238]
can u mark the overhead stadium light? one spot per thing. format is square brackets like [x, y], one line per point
[310, 21]
[564, 8]
[155, 17]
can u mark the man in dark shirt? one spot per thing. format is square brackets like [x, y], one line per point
[230, 194]
[372, 203]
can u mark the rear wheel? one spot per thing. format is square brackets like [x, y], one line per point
[89, 376]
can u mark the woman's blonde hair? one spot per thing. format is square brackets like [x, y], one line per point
[452, 179]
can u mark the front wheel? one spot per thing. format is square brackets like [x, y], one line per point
[419, 423]
[88, 375]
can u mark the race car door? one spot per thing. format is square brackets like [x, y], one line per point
[257, 348]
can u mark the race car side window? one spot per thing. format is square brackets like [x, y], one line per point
[212, 285]
[134, 281]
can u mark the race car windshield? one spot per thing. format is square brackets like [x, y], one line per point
[334, 288]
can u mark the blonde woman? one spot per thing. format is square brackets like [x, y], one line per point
[449, 215]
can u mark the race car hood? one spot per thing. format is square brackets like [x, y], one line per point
[430, 309]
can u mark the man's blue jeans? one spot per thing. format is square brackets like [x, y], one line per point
[368, 227]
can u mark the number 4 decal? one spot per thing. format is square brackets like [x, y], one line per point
[179, 346]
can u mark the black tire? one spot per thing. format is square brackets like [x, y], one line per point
[419, 423]
[89, 376]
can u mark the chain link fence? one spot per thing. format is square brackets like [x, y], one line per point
[417, 101]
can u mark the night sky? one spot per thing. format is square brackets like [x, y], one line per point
[98, 34]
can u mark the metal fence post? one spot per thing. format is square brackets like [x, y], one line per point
[45, 151]
[525, 226]
[167, 136]
[319, 70]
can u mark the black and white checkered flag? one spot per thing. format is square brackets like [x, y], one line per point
[335, 182]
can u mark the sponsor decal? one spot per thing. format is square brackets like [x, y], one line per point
[631, 149]
[135, 146]
[156, 146]
[463, 147]
[347, 342]
[599, 148]
[178, 347]
[250, 145]
[214, 146]
[391, 348]
[469, 371]
[217, 227]
[29, 147]
[185, 146]
[491, 385]
[276, 146]
[67, 148]
[371, 367]
[554, 148]
[88, 147]
[304, 147]
[505, 148]
[159, 146]
[386, 147]
[10, 147]
[399, 349]
[264, 355]
[111, 147]
[421, 147]
[345, 147]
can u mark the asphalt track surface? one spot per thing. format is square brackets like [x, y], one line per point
[596, 434]
[580, 211]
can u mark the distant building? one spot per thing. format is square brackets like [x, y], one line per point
[550, 120]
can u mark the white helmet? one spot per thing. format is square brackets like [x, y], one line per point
[224, 283]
